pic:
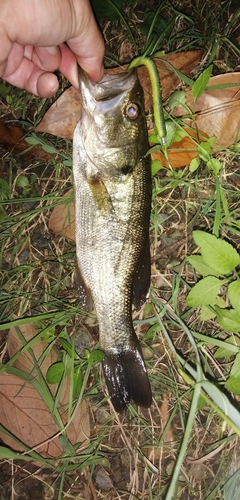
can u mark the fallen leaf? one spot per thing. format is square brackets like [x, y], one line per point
[217, 111]
[12, 139]
[183, 61]
[24, 413]
[25, 360]
[26, 416]
[181, 153]
[62, 117]
[62, 218]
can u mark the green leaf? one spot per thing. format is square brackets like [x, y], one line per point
[106, 9]
[22, 181]
[200, 84]
[203, 150]
[170, 132]
[55, 373]
[204, 292]
[218, 254]
[67, 346]
[227, 352]
[233, 382]
[214, 165]
[3, 214]
[228, 319]
[194, 164]
[206, 313]
[148, 19]
[178, 98]
[155, 167]
[96, 356]
[234, 293]
[4, 90]
[179, 134]
[77, 382]
[4, 190]
[201, 267]
[49, 149]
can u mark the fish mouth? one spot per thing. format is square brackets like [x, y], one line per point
[110, 86]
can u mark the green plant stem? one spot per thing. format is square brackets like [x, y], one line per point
[156, 94]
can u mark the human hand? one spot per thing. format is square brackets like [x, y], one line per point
[32, 36]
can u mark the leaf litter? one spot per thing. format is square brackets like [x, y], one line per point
[23, 410]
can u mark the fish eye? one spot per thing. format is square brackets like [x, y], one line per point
[132, 111]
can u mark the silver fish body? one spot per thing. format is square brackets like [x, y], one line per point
[112, 185]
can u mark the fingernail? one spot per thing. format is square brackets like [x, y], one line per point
[53, 50]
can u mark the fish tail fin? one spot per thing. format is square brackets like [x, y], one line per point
[126, 378]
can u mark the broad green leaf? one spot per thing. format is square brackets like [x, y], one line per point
[194, 164]
[4, 190]
[49, 149]
[55, 373]
[227, 351]
[203, 150]
[233, 382]
[229, 320]
[148, 19]
[200, 84]
[234, 294]
[206, 313]
[22, 181]
[179, 134]
[204, 292]
[201, 267]
[170, 129]
[107, 10]
[178, 98]
[155, 167]
[235, 371]
[96, 356]
[218, 254]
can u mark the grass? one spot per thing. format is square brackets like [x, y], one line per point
[181, 447]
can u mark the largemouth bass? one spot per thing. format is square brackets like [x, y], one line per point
[112, 185]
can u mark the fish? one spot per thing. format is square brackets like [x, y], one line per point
[112, 192]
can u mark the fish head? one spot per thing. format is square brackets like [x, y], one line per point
[113, 124]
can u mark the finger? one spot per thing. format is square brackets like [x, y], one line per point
[33, 79]
[47, 58]
[68, 65]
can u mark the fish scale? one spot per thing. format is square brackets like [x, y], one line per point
[112, 186]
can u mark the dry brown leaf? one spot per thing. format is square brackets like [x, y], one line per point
[26, 416]
[181, 153]
[184, 61]
[62, 218]
[218, 111]
[62, 117]
[12, 139]
[23, 411]
[25, 360]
